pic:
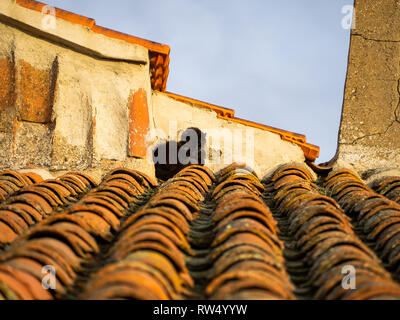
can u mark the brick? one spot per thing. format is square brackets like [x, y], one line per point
[7, 96]
[138, 124]
[36, 90]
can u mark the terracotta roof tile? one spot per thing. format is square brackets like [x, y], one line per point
[323, 241]
[228, 236]
[34, 203]
[376, 217]
[148, 259]
[12, 181]
[388, 187]
[77, 232]
[246, 253]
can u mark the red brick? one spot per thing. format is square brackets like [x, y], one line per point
[139, 124]
[36, 91]
[7, 85]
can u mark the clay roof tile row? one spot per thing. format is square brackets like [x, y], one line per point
[148, 259]
[246, 254]
[325, 240]
[377, 217]
[197, 235]
[34, 202]
[66, 240]
[388, 187]
[13, 181]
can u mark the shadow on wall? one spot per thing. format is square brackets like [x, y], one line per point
[172, 156]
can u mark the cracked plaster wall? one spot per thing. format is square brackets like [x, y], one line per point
[64, 110]
[369, 135]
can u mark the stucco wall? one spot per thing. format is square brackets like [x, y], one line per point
[268, 152]
[87, 99]
[370, 127]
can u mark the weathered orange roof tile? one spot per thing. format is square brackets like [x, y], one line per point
[200, 236]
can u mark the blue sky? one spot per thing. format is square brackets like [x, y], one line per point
[282, 63]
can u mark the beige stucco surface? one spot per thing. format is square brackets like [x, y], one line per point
[89, 127]
[261, 149]
[370, 127]
[75, 36]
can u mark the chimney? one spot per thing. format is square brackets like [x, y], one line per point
[369, 136]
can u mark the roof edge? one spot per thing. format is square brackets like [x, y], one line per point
[157, 51]
[221, 111]
[311, 152]
[91, 24]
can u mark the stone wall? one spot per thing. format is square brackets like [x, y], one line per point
[370, 126]
[63, 109]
